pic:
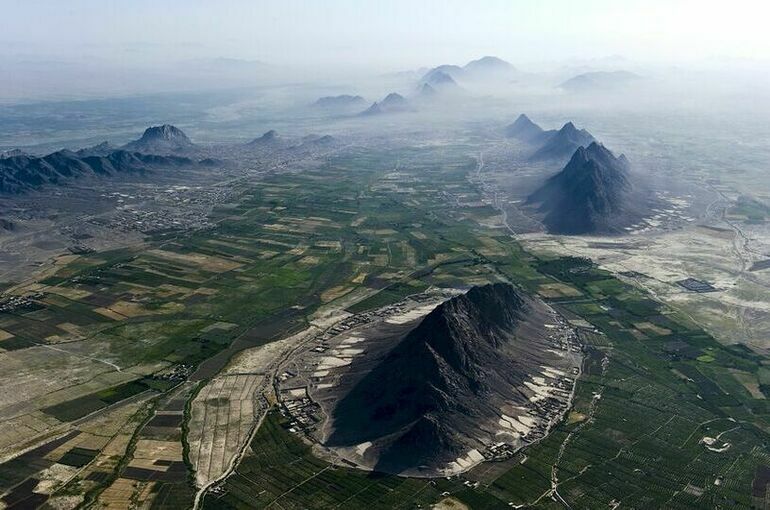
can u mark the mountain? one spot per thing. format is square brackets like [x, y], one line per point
[393, 103]
[439, 393]
[592, 194]
[427, 92]
[489, 67]
[457, 73]
[100, 149]
[374, 109]
[599, 81]
[344, 101]
[267, 139]
[527, 131]
[440, 80]
[11, 153]
[561, 144]
[439, 84]
[483, 69]
[21, 174]
[310, 142]
[160, 140]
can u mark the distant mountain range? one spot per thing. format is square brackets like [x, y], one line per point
[484, 69]
[21, 174]
[439, 393]
[340, 102]
[273, 141]
[11, 153]
[592, 194]
[392, 103]
[161, 140]
[562, 143]
[552, 144]
[269, 138]
[100, 149]
[527, 131]
[490, 67]
[599, 81]
[439, 84]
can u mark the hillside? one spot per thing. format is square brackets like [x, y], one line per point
[160, 140]
[22, 174]
[562, 144]
[343, 101]
[600, 81]
[439, 393]
[592, 194]
[392, 103]
[527, 131]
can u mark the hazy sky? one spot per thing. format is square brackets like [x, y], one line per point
[389, 35]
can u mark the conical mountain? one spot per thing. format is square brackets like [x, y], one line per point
[428, 400]
[268, 138]
[489, 67]
[563, 143]
[161, 139]
[527, 131]
[392, 103]
[592, 194]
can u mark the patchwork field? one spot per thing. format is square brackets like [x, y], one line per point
[121, 386]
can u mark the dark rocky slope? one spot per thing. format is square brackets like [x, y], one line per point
[562, 144]
[161, 140]
[430, 399]
[527, 131]
[594, 193]
[21, 174]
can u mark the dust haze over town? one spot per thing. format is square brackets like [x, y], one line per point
[392, 255]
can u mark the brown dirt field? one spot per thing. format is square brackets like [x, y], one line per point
[68, 293]
[109, 314]
[555, 290]
[652, 328]
[335, 292]
[205, 262]
[450, 504]
[120, 494]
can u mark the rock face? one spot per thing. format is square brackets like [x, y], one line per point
[437, 396]
[21, 174]
[160, 140]
[592, 194]
[562, 144]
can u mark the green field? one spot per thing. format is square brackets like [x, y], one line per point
[654, 384]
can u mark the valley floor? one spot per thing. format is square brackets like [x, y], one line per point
[145, 376]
